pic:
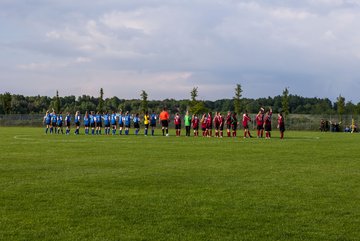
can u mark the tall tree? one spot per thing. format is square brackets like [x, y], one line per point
[285, 101]
[340, 102]
[195, 106]
[101, 100]
[6, 102]
[144, 101]
[194, 94]
[57, 103]
[237, 99]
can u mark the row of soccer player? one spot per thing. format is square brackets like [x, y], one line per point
[111, 122]
[94, 121]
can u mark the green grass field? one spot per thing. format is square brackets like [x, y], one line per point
[306, 187]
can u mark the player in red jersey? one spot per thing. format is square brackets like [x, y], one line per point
[281, 125]
[245, 123]
[260, 123]
[209, 125]
[195, 124]
[217, 124]
[222, 122]
[234, 123]
[177, 122]
[267, 123]
[203, 124]
[228, 123]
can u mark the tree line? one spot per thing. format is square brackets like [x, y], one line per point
[288, 103]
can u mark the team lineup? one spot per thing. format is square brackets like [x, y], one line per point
[121, 123]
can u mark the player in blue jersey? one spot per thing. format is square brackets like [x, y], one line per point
[98, 123]
[136, 121]
[68, 123]
[121, 122]
[86, 122]
[47, 121]
[127, 122]
[77, 122]
[53, 122]
[92, 122]
[60, 123]
[153, 119]
[106, 119]
[113, 122]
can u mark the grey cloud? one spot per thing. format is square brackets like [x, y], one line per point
[264, 45]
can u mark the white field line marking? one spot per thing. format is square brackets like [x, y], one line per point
[125, 139]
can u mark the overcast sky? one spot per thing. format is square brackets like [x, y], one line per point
[167, 47]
